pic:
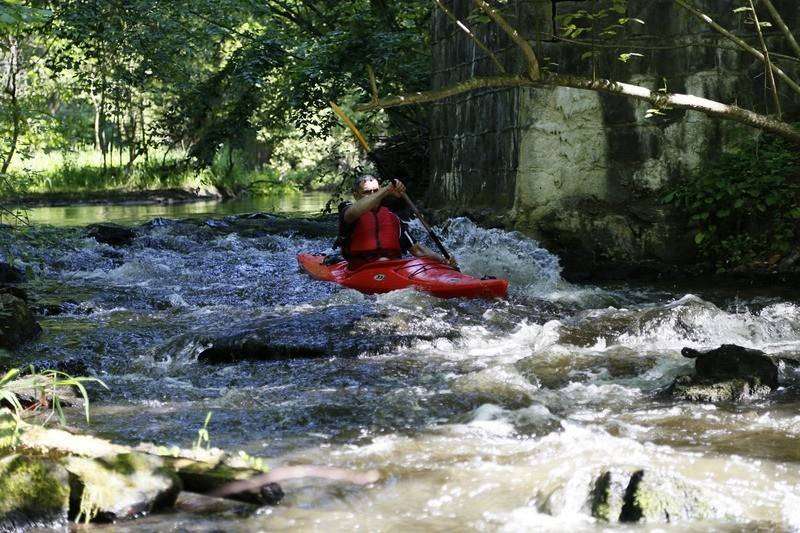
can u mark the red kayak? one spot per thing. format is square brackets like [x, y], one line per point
[425, 275]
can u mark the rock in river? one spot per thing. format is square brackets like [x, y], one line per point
[619, 495]
[728, 373]
[17, 324]
[120, 486]
[341, 331]
[112, 234]
[10, 274]
[34, 493]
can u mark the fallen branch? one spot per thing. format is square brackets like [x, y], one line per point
[471, 35]
[776, 17]
[533, 64]
[740, 42]
[658, 99]
[286, 473]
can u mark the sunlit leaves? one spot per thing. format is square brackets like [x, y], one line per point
[628, 55]
[14, 15]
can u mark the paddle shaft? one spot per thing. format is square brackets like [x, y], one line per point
[433, 236]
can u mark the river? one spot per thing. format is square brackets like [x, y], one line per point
[481, 415]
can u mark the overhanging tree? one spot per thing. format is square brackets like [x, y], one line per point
[535, 76]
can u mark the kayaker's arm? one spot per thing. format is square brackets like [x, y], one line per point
[372, 201]
[420, 250]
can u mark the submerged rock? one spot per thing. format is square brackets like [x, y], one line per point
[119, 486]
[111, 234]
[620, 495]
[252, 225]
[17, 324]
[34, 493]
[500, 385]
[10, 274]
[260, 224]
[729, 373]
[339, 331]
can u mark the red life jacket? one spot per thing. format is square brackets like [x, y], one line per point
[375, 233]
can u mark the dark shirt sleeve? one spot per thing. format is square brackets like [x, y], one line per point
[344, 227]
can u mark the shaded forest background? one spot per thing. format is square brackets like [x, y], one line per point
[230, 94]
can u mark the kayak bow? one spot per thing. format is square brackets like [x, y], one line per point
[427, 275]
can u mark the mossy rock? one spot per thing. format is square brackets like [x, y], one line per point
[622, 495]
[8, 430]
[733, 390]
[119, 486]
[34, 493]
[657, 498]
[17, 324]
[608, 494]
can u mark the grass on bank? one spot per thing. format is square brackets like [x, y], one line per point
[296, 166]
[47, 388]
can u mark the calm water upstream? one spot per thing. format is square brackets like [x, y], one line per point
[81, 215]
[482, 416]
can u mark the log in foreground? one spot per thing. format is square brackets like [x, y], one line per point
[109, 482]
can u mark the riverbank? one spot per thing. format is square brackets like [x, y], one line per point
[157, 196]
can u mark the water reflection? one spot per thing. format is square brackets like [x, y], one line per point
[81, 215]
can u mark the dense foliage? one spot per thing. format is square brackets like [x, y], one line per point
[199, 80]
[744, 208]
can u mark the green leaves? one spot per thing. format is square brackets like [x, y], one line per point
[14, 15]
[203, 436]
[744, 207]
[47, 386]
[628, 55]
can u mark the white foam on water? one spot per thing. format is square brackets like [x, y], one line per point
[694, 322]
[477, 342]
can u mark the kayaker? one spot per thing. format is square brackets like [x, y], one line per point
[370, 231]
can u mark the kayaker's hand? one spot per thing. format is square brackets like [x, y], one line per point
[397, 188]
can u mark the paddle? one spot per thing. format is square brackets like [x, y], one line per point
[435, 238]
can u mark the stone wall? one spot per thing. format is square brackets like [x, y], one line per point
[580, 170]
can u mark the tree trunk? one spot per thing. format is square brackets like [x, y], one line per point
[133, 153]
[118, 122]
[11, 90]
[144, 132]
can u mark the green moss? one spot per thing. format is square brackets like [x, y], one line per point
[34, 486]
[669, 500]
[732, 201]
[9, 430]
[120, 485]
